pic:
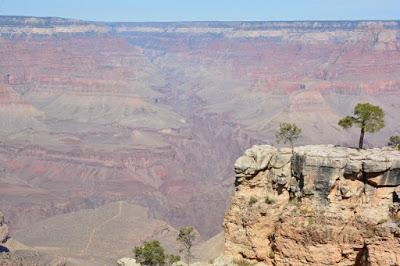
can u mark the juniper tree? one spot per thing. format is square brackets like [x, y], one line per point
[153, 254]
[150, 254]
[369, 118]
[288, 133]
[186, 238]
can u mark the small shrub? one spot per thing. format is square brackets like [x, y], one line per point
[382, 221]
[271, 254]
[394, 142]
[269, 200]
[306, 211]
[252, 201]
[311, 220]
[242, 262]
[171, 259]
[151, 253]
[394, 213]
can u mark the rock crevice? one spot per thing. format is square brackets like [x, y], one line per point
[320, 205]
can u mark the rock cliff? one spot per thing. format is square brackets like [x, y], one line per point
[321, 205]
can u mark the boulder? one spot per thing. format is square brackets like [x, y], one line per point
[255, 159]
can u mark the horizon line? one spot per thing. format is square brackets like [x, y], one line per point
[199, 21]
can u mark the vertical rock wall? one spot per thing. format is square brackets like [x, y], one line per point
[321, 205]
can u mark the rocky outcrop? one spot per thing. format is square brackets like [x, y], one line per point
[321, 205]
[3, 229]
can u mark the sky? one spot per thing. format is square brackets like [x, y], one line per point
[205, 10]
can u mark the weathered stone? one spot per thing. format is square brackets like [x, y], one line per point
[347, 211]
[280, 160]
[389, 178]
[255, 159]
[223, 260]
[374, 166]
[353, 166]
[350, 188]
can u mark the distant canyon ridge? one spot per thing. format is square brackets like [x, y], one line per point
[155, 114]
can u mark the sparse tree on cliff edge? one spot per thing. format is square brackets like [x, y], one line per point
[368, 117]
[288, 133]
[394, 142]
[186, 238]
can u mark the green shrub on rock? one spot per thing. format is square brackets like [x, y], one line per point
[153, 254]
[394, 141]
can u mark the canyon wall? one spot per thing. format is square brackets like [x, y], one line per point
[154, 114]
[321, 205]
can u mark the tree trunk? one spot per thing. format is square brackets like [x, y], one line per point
[361, 142]
[189, 257]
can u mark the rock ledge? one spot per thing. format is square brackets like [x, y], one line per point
[321, 205]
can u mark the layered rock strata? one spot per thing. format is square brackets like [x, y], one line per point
[321, 205]
[95, 113]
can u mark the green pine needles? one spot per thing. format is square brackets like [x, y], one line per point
[369, 118]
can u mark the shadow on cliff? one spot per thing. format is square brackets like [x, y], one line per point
[4, 249]
[362, 257]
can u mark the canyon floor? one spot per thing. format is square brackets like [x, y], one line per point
[132, 129]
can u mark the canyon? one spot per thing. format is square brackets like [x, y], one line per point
[152, 116]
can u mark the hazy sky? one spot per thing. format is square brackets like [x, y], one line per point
[189, 10]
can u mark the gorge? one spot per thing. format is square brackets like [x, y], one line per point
[100, 120]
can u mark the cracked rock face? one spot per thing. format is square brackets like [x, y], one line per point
[321, 205]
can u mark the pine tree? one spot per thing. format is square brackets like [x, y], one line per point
[369, 118]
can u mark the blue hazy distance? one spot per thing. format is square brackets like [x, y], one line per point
[205, 10]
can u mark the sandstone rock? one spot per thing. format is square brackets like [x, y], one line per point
[353, 166]
[254, 160]
[324, 205]
[375, 166]
[223, 260]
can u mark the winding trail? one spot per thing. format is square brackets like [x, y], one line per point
[97, 228]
